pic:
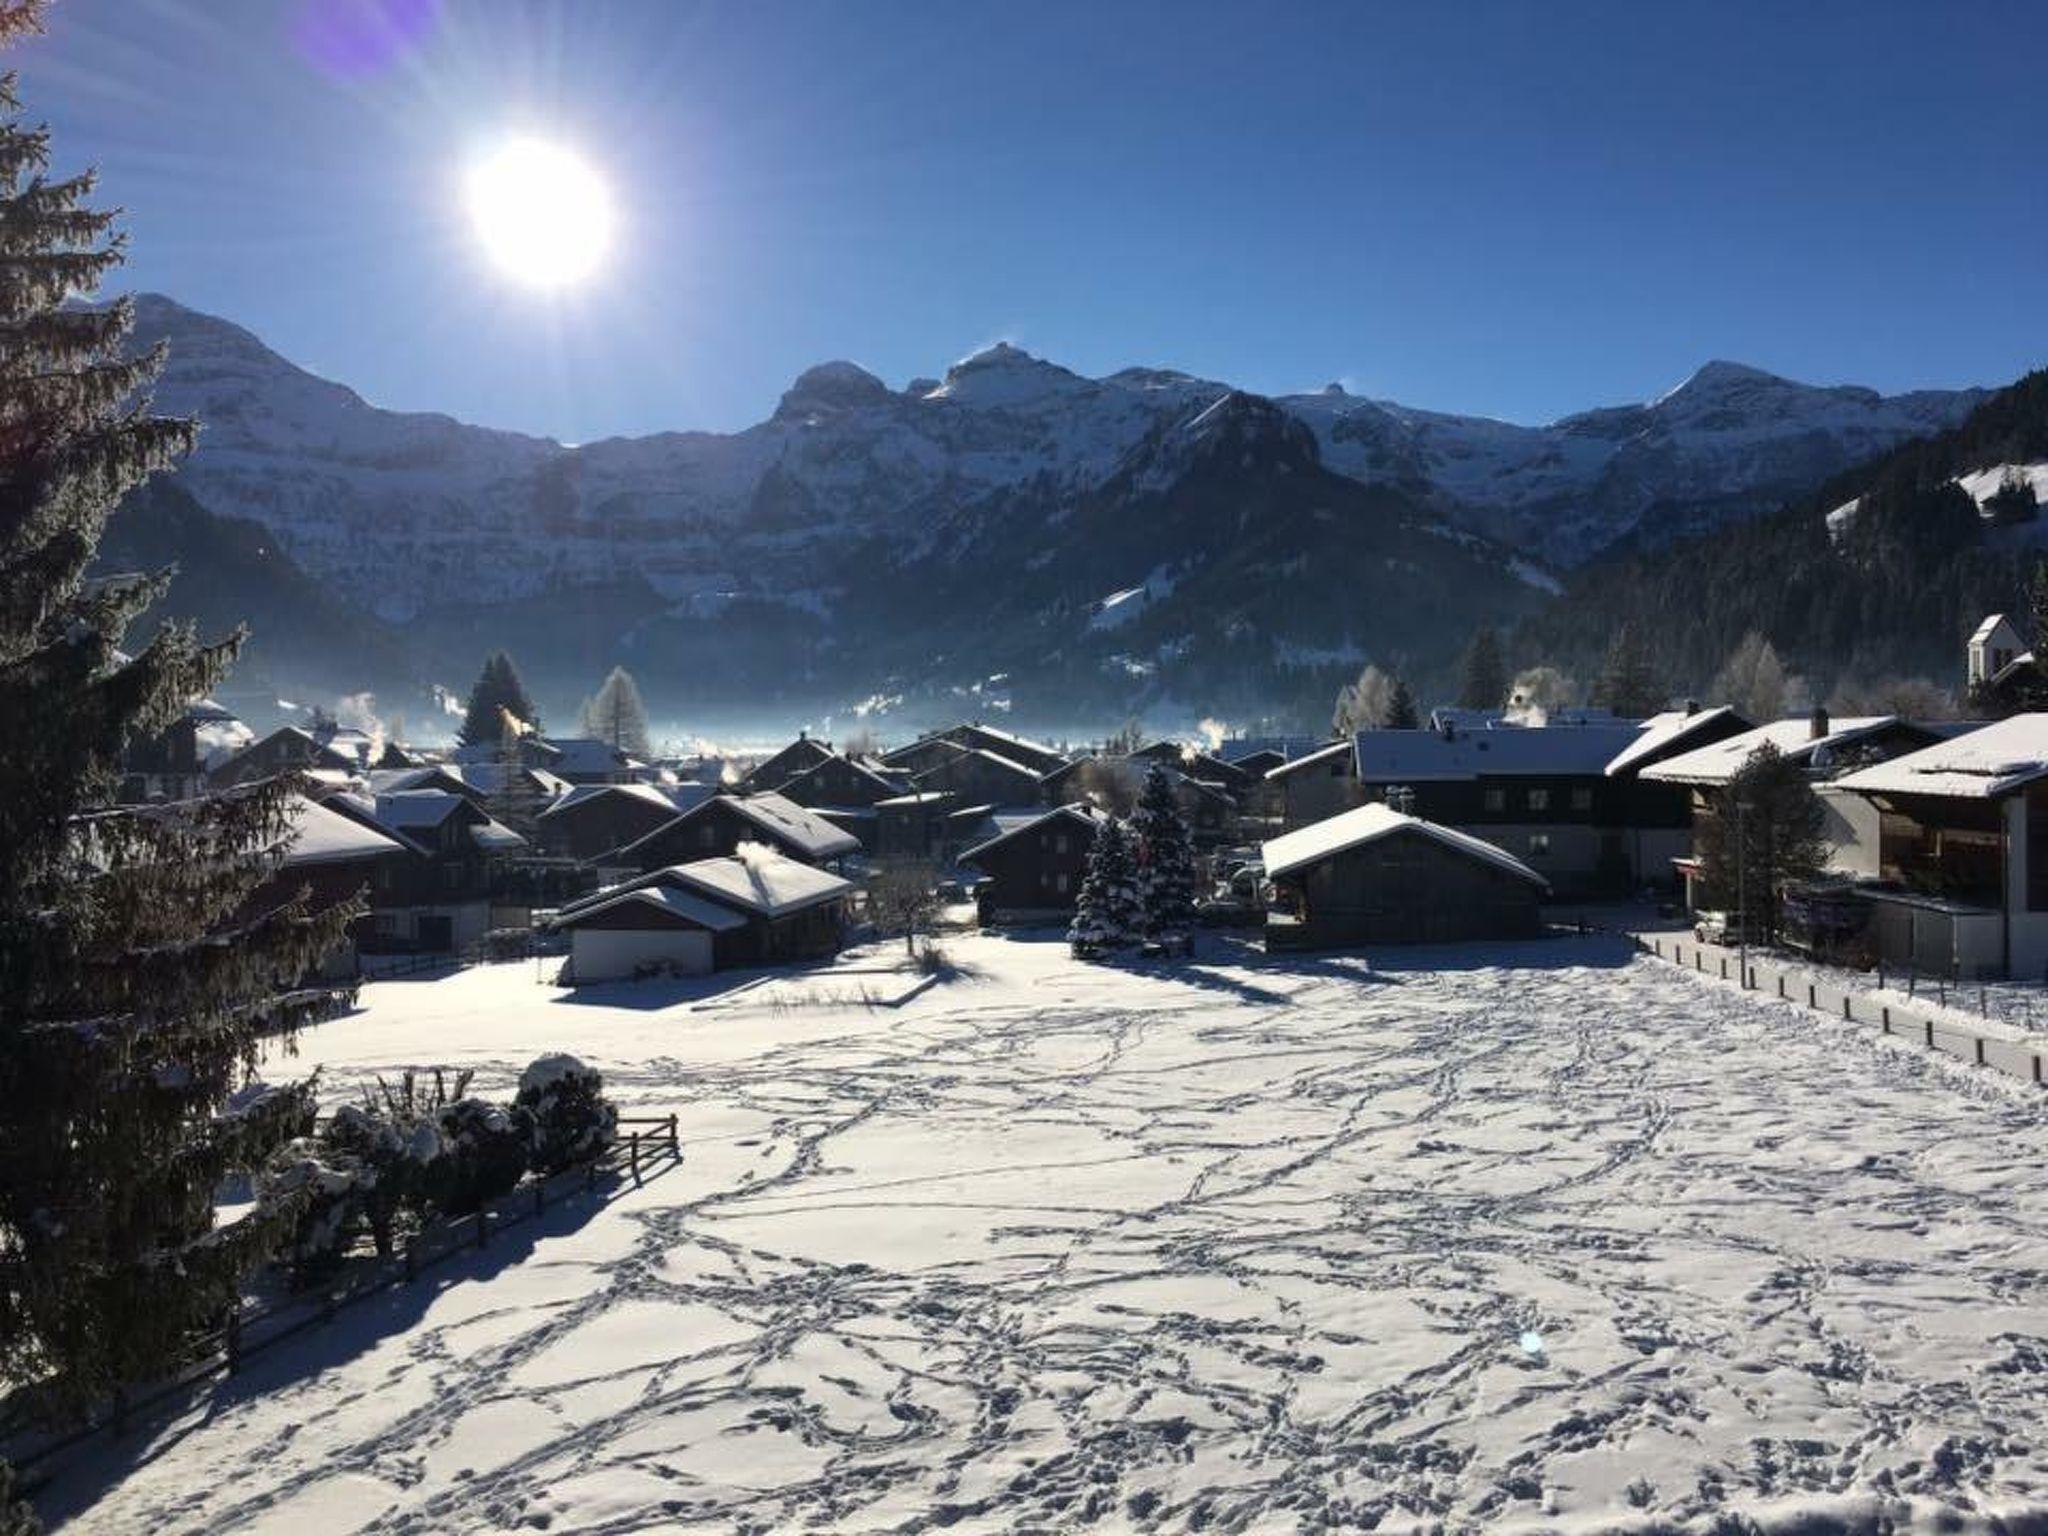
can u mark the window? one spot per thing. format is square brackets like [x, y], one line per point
[1496, 800]
[707, 834]
[1582, 799]
[1059, 843]
[1539, 799]
[1539, 845]
[1060, 885]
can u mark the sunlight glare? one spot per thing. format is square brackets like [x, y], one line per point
[542, 213]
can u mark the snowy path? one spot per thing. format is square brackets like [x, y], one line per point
[1572, 1244]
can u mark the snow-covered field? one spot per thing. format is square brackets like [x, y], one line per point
[1536, 1237]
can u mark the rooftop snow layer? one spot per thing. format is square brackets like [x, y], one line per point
[1371, 824]
[1403, 756]
[1981, 765]
[1666, 730]
[1718, 763]
[322, 836]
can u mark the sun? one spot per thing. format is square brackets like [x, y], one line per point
[542, 212]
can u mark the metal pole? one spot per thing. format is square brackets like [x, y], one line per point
[1742, 885]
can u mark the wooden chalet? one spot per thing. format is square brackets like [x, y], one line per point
[176, 764]
[979, 775]
[439, 901]
[718, 827]
[712, 914]
[798, 757]
[844, 783]
[1373, 875]
[1033, 870]
[592, 819]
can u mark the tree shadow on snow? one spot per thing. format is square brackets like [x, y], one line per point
[78, 1478]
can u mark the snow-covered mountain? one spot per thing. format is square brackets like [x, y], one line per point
[1006, 468]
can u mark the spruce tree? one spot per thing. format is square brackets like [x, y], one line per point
[1485, 675]
[497, 689]
[137, 975]
[1401, 712]
[1628, 682]
[1106, 914]
[1767, 832]
[616, 715]
[1165, 856]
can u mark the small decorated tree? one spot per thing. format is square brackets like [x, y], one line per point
[1165, 857]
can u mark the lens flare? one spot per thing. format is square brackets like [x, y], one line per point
[542, 213]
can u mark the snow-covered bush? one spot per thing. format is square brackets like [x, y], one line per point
[482, 1155]
[395, 1155]
[323, 1188]
[572, 1120]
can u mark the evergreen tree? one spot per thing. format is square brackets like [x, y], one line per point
[1401, 712]
[1106, 913]
[497, 689]
[616, 715]
[1165, 855]
[1766, 833]
[1485, 676]
[137, 974]
[1628, 683]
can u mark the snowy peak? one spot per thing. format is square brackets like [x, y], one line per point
[832, 387]
[1004, 376]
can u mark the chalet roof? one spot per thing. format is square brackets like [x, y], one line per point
[1991, 622]
[1239, 748]
[585, 755]
[1985, 764]
[320, 753]
[1661, 733]
[1083, 815]
[777, 817]
[1320, 755]
[1543, 751]
[669, 899]
[410, 809]
[673, 797]
[1715, 764]
[856, 766]
[321, 835]
[1373, 823]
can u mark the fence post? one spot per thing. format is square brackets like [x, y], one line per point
[2037, 1066]
[1930, 1034]
[1886, 1014]
[636, 1157]
[412, 1259]
[1980, 1050]
[234, 1337]
[674, 1147]
[1847, 1013]
[540, 1194]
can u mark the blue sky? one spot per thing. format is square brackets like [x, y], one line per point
[1514, 209]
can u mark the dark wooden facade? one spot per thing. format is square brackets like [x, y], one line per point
[1036, 870]
[712, 830]
[596, 824]
[839, 781]
[981, 778]
[1407, 888]
[799, 756]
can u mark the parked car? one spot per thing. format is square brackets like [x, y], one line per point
[1728, 929]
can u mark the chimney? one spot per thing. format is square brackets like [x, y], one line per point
[1819, 725]
[1692, 707]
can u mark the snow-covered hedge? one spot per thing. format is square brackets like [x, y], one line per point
[484, 1153]
[572, 1120]
[327, 1190]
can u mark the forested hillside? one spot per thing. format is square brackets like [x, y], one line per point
[1890, 585]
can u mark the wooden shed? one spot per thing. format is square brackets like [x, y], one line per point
[1375, 876]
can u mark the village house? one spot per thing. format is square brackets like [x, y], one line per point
[842, 783]
[1998, 663]
[1373, 875]
[1826, 749]
[1962, 851]
[1032, 870]
[438, 901]
[800, 756]
[979, 775]
[713, 914]
[328, 859]
[928, 751]
[177, 763]
[717, 827]
[336, 753]
[913, 826]
[592, 819]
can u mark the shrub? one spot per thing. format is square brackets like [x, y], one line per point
[572, 1120]
[482, 1155]
[322, 1189]
[394, 1158]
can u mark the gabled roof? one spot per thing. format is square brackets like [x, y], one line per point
[1986, 763]
[1320, 755]
[1715, 764]
[586, 755]
[1239, 748]
[1085, 816]
[1542, 751]
[778, 819]
[761, 882]
[862, 770]
[1662, 733]
[1372, 823]
[669, 899]
[322, 835]
[667, 798]
[1991, 622]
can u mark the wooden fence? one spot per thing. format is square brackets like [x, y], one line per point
[646, 1144]
[2016, 1058]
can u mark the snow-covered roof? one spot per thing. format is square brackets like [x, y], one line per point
[1086, 815]
[1991, 622]
[1238, 748]
[1320, 755]
[1718, 762]
[320, 835]
[760, 881]
[1662, 732]
[781, 818]
[408, 809]
[586, 755]
[1991, 761]
[1400, 757]
[1370, 824]
[661, 898]
[660, 798]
